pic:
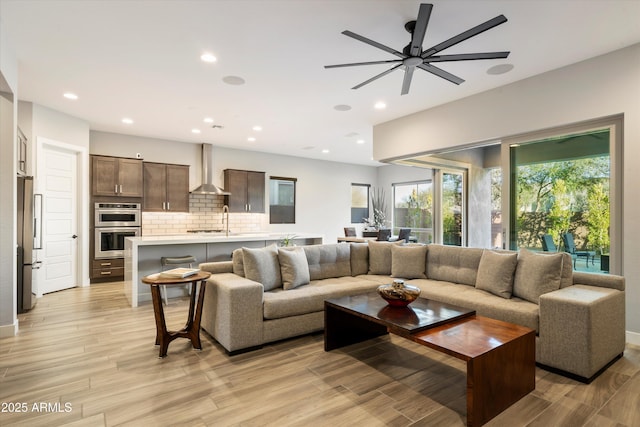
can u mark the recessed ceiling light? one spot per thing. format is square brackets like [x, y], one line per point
[257, 128]
[70, 95]
[360, 141]
[251, 139]
[342, 107]
[380, 105]
[195, 130]
[325, 151]
[233, 80]
[127, 121]
[500, 69]
[208, 120]
[207, 57]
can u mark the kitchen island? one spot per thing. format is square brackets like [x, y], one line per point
[142, 254]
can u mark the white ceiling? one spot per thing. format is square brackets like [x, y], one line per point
[140, 59]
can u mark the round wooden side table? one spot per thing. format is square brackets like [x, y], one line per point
[192, 329]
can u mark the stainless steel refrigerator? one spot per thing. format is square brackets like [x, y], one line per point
[29, 241]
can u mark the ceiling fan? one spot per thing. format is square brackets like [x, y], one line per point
[412, 56]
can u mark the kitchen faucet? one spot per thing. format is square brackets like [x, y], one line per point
[225, 209]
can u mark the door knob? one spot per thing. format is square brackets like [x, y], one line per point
[75, 236]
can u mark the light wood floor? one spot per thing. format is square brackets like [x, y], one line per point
[86, 351]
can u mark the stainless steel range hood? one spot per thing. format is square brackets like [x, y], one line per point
[207, 186]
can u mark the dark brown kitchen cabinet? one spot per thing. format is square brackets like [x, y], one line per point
[105, 268]
[166, 188]
[247, 190]
[115, 176]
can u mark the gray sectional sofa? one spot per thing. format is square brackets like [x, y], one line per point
[268, 294]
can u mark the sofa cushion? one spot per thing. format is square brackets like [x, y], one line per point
[536, 274]
[326, 261]
[453, 263]
[310, 298]
[359, 258]
[261, 265]
[380, 257]
[495, 272]
[409, 261]
[238, 262]
[293, 267]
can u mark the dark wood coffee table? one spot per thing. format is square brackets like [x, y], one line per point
[500, 356]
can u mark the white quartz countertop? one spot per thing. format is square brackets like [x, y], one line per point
[176, 239]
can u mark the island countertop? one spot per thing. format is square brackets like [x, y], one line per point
[142, 254]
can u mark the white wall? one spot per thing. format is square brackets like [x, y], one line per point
[323, 189]
[603, 86]
[8, 118]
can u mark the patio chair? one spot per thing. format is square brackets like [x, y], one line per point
[570, 246]
[404, 234]
[384, 234]
[349, 232]
[548, 245]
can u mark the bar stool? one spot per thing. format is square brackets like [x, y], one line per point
[173, 261]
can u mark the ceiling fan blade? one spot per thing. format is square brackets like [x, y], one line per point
[441, 73]
[373, 43]
[467, 56]
[424, 13]
[406, 82]
[501, 19]
[376, 77]
[391, 61]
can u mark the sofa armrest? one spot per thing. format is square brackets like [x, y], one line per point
[232, 311]
[217, 267]
[582, 328]
[601, 280]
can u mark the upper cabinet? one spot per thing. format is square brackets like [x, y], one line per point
[115, 176]
[166, 188]
[247, 190]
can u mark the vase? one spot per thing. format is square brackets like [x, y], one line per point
[398, 294]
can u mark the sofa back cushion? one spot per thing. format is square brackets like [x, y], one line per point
[359, 259]
[453, 263]
[537, 274]
[380, 257]
[326, 261]
[262, 265]
[409, 261]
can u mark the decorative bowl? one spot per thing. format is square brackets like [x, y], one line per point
[398, 294]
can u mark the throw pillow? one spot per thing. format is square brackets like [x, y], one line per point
[495, 273]
[238, 262]
[293, 267]
[409, 262]
[261, 265]
[380, 257]
[536, 274]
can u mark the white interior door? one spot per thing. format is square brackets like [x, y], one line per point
[59, 235]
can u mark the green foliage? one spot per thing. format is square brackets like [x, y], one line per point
[597, 217]
[559, 217]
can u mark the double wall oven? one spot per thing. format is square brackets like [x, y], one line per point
[112, 223]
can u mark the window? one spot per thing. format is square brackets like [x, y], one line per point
[452, 208]
[563, 184]
[413, 208]
[282, 200]
[359, 202]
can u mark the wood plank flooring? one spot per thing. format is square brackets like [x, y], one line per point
[83, 357]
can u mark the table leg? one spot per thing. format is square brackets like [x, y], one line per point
[499, 378]
[162, 337]
[194, 331]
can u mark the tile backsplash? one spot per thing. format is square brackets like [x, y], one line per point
[205, 213]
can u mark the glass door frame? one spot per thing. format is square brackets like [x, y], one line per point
[616, 201]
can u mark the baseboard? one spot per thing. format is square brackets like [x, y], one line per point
[9, 330]
[633, 338]
[578, 377]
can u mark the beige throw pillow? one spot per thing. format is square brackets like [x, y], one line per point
[238, 262]
[495, 273]
[261, 265]
[409, 262]
[536, 274]
[380, 257]
[293, 267]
